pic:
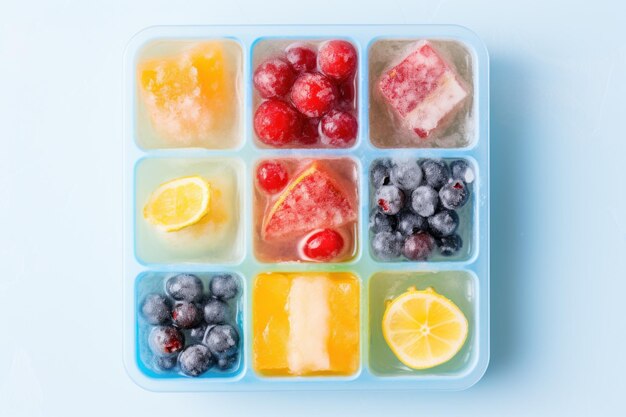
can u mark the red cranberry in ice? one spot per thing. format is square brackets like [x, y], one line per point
[337, 59]
[346, 95]
[276, 123]
[323, 245]
[301, 57]
[310, 131]
[339, 128]
[313, 94]
[273, 78]
[272, 176]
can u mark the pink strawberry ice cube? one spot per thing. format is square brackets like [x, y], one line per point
[423, 89]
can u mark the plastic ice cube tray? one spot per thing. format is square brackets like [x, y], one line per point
[465, 280]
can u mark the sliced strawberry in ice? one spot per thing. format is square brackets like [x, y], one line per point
[423, 89]
[311, 201]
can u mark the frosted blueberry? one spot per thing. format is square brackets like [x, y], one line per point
[224, 286]
[406, 174]
[410, 223]
[380, 172]
[156, 309]
[450, 245]
[444, 223]
[454, 195]
[216, 311]
[380, 222]
[195, 360]
[424, 200]
[462, 171]
[390, 199]
[184, 287]
[387, 246]
[436, 173]
[418, 247]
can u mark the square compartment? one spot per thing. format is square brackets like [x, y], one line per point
[154, 283]
[217, 237]
[466, 229]
[338, 114]
[387, 129]
[272, 213]
[461, 287]
[189, 94]
[306, 324]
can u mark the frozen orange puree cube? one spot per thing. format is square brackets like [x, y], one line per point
[306, 324]
[191, 96]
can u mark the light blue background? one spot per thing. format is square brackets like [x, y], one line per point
[558, 208]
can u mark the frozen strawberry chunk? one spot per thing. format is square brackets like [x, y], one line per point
[423, 89]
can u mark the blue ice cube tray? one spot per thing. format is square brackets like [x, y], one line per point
[466, 278]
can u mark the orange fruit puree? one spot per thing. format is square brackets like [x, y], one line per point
[306, 324]
[188, 96]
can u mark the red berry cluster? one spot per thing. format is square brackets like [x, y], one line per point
[309, 96]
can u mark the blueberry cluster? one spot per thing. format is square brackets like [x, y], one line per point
[192, 330]
[416, 203]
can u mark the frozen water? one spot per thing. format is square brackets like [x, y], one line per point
[217, 237]
[189, 94]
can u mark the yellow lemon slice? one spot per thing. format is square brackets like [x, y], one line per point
[178, 203]
[424, 329]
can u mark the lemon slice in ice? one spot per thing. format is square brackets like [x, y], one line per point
[424, 329]
[178, 203]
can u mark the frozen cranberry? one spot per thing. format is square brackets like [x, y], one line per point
[323, 245]
[310, 131]
[346, 95]
[272, 176]
[301, 57]
[338, 128]
[313, 94]
[166, 340]
[273, 78]
[276, 123]
[337, 59]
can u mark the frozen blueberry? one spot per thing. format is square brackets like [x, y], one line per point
[184, 287]
[418, 247]
[227, 362]
[379, 173]
[195, 360]
[380, 222]
[406, 174]
[462, 171]
[387, 246]
[410, 223]
[450, 245]
[165, 363]
[424, 200]
[156, 309]
[454, 195]
[166, 340]
[444, 223]
[197, 333]
[222, 340]
[436, 173]
[186, 315]
[216, 311]
[224, 286]
[390, 199]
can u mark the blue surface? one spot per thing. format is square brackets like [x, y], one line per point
[558, 226]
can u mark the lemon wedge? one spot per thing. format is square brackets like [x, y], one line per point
[424, 329]
[178, 203]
